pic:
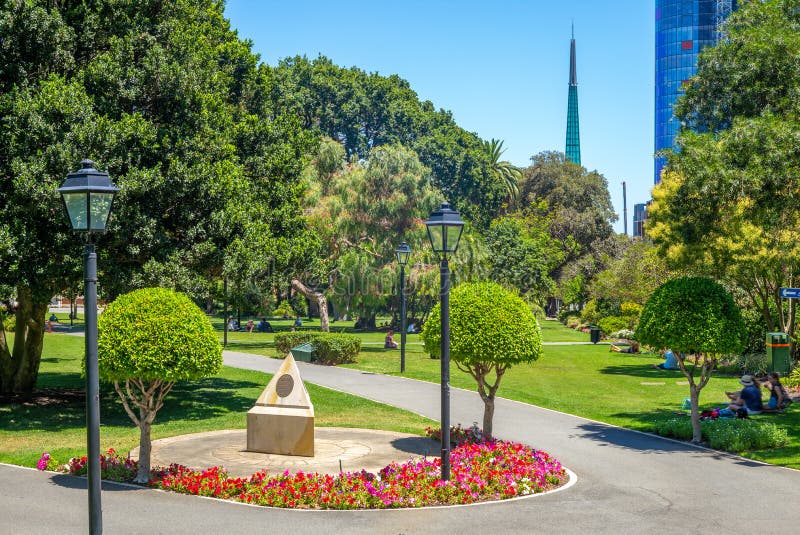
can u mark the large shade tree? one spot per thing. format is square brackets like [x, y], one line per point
[727, 204]
[167, 99]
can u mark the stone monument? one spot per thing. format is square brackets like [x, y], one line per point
[282, 420]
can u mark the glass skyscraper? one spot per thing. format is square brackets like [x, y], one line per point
[683, 28]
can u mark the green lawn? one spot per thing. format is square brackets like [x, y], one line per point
[216, 403]
[585, 380]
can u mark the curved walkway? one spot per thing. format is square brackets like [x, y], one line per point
[628, 482]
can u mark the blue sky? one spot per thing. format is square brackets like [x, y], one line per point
[501, 67]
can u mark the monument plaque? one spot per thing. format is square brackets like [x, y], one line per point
[282, 420]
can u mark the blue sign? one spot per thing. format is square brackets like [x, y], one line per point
[790, 293]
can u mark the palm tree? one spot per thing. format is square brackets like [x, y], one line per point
[503, 170]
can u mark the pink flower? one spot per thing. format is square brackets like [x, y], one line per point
[42, 464]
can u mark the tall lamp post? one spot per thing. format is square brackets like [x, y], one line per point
[444, 232]
[403, 252]
[88, 195]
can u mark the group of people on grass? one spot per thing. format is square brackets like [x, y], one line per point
[749, 397]
[263, 326]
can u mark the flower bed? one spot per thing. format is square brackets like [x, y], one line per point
[480, 471]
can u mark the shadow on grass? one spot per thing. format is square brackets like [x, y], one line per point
[189, 401]
[642, 368]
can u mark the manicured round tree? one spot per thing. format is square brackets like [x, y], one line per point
[692, 315]
[148, 340]
[491, 329]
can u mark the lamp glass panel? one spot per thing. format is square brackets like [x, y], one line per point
[436, 236]
[76, 208]
[402, 257]
[101, 208]
[453, 237]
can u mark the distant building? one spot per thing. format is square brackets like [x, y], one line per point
[639, 218]
[683, 29]
[573, 148]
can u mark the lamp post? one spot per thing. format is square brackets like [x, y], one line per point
[88, 195]
[403, 252]
[444, 232]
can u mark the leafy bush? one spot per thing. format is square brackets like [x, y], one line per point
[794, 378]
[631, 310]
[727, 434]
[284, 309]
[610, 324]
[329, 348]
[754, 333]
[573, 322]
[590, 314]
[10, 323]
[564, 314]
[750, 363]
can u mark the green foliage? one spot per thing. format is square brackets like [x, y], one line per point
[750, 363]
[329, 348]
[631, 310]
[9, 323]
[284, 309]
[564, 314]
[156, 333]
[727, 434]
[590, 312]
[488, 324]
[523, 254]
[610, 324]
[691, 314]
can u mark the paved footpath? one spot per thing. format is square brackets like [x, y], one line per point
[628, 482]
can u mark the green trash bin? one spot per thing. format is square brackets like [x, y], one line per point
[303, 352]
[779, 357]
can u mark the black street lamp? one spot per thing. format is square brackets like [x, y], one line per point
[444, 232]
[403, 252]
[88, 195]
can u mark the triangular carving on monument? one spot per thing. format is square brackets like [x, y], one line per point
[286, 389]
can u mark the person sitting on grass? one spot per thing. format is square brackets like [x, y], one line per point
[388, 342]
[748, 398]
[633, 347]
[250, 325]
[264, 326]
[778, 396]
[670, 361]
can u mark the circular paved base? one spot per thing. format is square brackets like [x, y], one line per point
[357, 449]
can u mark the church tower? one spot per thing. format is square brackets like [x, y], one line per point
[573, 149]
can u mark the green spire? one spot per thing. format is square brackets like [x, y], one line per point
[573, 149]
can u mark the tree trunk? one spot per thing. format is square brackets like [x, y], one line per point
[19, 367]
[146, 422]
[694, 395]
[322, 302]
[488, 415]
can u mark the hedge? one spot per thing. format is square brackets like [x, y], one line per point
[329, 348]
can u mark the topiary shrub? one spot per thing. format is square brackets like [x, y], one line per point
[148, 340]
[692, 315]
[491, 329]
[283, 310]
[329, 348]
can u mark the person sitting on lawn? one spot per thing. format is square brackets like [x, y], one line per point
[250, 325]
[388, 342]
[232, 326]
[748, 398]
[778, 396]
[633, 347]
[264, 326]
[298, 322]
[670, 361]
[53, 318]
